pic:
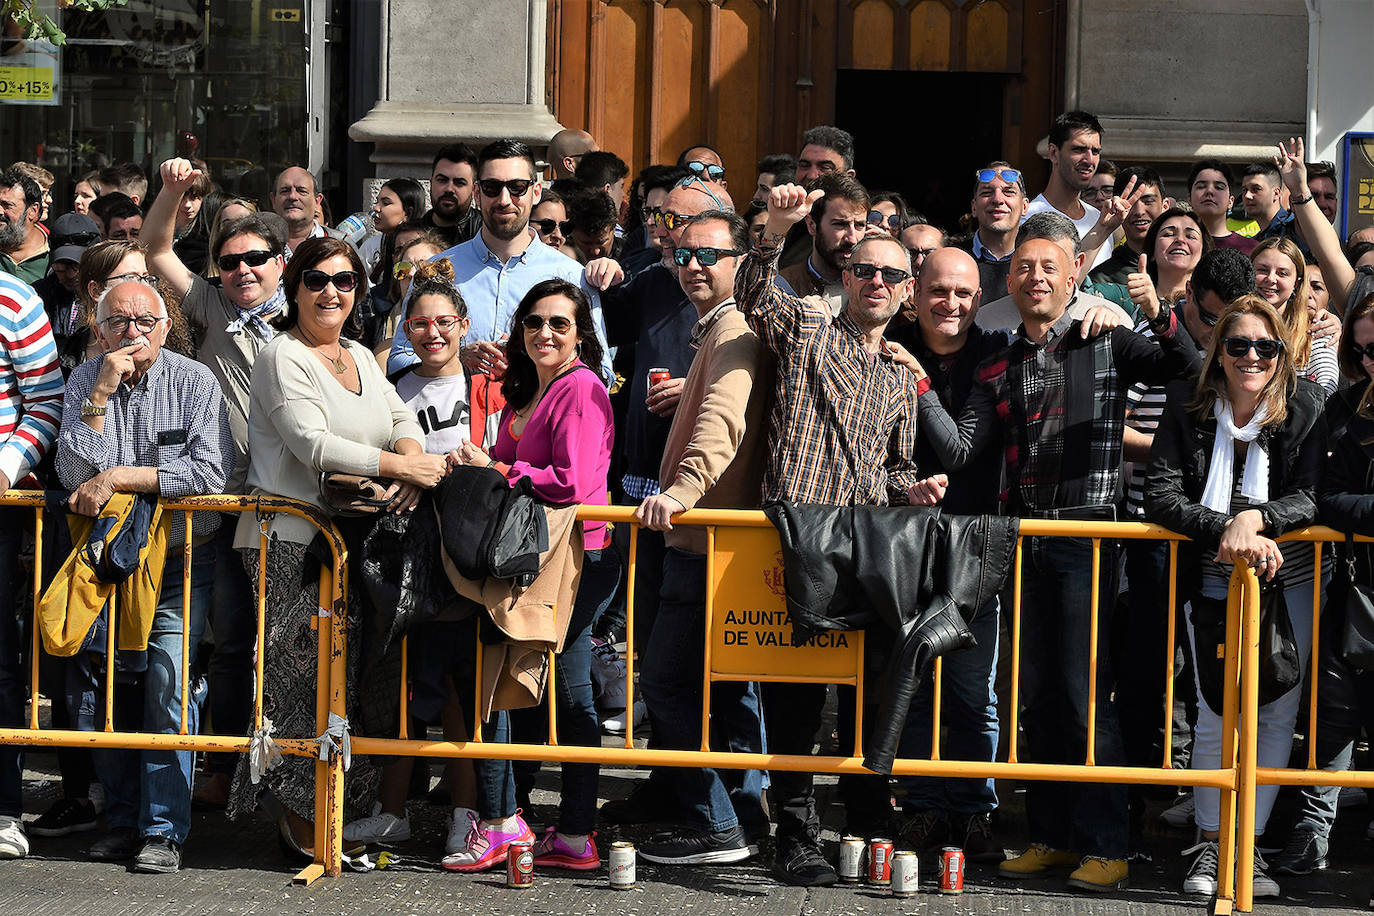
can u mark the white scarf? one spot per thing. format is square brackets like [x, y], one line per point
[1254, 484]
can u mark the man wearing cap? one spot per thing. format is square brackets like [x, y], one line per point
[72, 234]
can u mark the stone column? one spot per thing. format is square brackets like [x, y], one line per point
[470, 70]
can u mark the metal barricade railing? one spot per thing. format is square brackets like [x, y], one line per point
[330, 670]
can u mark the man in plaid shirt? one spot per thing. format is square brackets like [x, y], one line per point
[1058, 400]
[842, 432]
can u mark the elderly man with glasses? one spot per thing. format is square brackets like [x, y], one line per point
[143, 420]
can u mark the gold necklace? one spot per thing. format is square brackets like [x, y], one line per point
[340, 367]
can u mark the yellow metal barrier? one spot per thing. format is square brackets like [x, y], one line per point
[332, 641]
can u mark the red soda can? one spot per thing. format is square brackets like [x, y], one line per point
[880, 861]
[659, 375]
[951, 870]
[520, 864]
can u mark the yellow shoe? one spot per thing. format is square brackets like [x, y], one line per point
[1099, 874]
[1036, 860]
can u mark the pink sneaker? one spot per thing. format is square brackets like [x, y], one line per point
[552, 852]
[486, 846]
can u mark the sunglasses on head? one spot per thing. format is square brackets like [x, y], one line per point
[1360, 352]
[421, 327]
[255, 258]
[1011, 176]
[546, 226]
[670, 220]
[712, 171]
[559, 324]
[876, 217]
[491, 187]
[1238, 347]
[706, 257]
[402, 270]
[891, 275]
[316, 280]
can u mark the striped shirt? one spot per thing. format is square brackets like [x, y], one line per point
[843, 426]
[1144, 407]
[30, 379]
[173, 418]
[1322, 366]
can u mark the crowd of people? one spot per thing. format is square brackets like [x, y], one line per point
[1101, 351]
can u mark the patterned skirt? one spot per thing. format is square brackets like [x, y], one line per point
[289, 683]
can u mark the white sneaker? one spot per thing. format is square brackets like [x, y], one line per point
[14, 843]
[458, 827]
[1181, 814]
[615, 725]
[1202, 872]
[1264, 886]
[379, 828]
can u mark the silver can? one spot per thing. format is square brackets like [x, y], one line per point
[905, 880]
[851, 862]
[622, 866]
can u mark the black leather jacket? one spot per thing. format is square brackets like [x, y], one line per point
[1182, 451]
[1345, 496]
[911, 577]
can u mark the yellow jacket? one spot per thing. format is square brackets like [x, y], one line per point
[76, 598]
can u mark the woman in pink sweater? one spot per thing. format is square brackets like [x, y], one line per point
[557, 430]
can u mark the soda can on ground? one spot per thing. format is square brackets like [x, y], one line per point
[951, 870]
[520, 864]
[851, 864]
[659, 374]
[880, 861]
[622, 866]
[905, 874]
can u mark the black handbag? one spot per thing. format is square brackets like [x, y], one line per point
[1355, 601]
[1280, 668]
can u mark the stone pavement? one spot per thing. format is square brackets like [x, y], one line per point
[237, 869]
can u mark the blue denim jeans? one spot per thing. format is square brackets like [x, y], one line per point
[1086, 818]
[670, 677]
[577, 720]
[968, 716]
[234, 623]
[13, 689]
[149, 791]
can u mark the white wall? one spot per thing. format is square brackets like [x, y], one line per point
[1341, 83]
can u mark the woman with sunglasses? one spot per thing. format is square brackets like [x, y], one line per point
[1234, 465]
[549, 218]
[415, 244]
[888, 211]
[1281, 280]
[319, 404]
[556, 430]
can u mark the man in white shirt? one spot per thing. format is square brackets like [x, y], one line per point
[1075, 150]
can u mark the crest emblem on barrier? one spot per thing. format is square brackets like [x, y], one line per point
[773, 577]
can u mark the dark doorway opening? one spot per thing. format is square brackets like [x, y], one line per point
[922, 134]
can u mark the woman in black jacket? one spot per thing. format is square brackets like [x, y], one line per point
[1345, 501]
[1234, 465]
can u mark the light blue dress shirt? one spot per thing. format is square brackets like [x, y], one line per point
[493, 291]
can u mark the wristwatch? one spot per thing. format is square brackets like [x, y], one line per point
[88, 409]
[1160, 322]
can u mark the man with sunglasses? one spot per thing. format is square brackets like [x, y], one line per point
[142, 419]
[1056, 399]
[705, 163]
[230, 323]
[842, 431]
[836, 224]
[999, 205]
[495, 268]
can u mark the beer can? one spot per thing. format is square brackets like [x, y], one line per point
[851, 860]
[622, 866]
[951, 870]
[905, 882]
[880, 861]
[659, 374]
[520, 864]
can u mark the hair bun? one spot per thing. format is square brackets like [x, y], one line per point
[439, 269]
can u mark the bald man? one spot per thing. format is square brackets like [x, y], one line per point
[566, 148]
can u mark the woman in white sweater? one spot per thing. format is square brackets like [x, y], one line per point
[318, 403]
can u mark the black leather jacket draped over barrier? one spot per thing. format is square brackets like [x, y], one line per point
[911, 577]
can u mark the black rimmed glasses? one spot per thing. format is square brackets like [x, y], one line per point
[118, 324]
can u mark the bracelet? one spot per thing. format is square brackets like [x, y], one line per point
[491, 463]
[1299, 201]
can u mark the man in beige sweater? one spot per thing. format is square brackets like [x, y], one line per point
[714, 458]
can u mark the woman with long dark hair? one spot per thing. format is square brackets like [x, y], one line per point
[1234, 465]
[556, 430]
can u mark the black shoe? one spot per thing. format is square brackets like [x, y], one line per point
[1304, 853]
[159, 856]
[647, 804]
[924, 830]
[698, 847]
[977, 841]
[66, 816]
[115, 846]
[800, 863]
